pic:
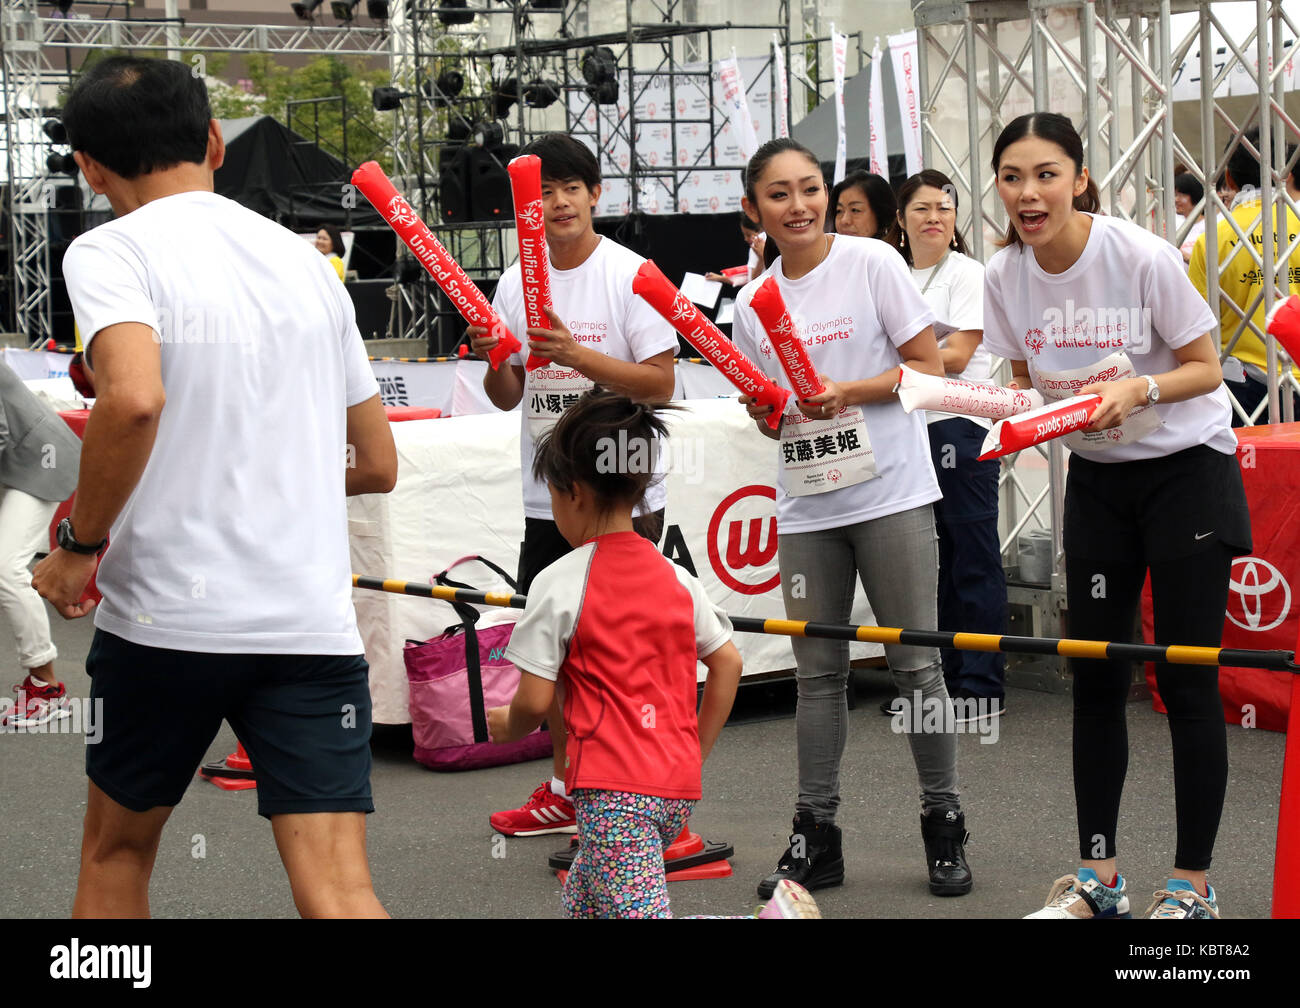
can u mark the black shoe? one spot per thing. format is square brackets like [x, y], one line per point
[814, 859]
[892, 706]
[945, 838]
[969, 708]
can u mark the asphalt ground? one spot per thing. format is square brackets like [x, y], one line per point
[434, 855]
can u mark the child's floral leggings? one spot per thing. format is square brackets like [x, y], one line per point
[619, 867]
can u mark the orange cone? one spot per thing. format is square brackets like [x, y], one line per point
[234, 773]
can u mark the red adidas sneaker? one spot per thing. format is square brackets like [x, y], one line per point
[543, 813]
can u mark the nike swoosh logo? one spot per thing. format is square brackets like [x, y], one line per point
[1203, 535]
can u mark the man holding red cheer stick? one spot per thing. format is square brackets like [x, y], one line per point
[600, 333]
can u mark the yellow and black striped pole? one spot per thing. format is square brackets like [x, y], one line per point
[1176, 654]
[416, 360]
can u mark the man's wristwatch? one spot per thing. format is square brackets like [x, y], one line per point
[68, 541]
[1153, 391]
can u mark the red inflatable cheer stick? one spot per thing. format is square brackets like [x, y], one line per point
[526, 187]
[459, 288]
[1284, 324]
[702, 334]
[1039, 425]
[770, 308]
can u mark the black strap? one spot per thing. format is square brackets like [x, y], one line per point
[473, 667]
[474, 676]
[443, 579]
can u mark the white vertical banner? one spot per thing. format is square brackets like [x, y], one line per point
[878, 149]
[903, 56]
[782, 88]
[840, 53]
[736, 107]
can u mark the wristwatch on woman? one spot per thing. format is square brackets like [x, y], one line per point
[1153, 391]
[67, 540]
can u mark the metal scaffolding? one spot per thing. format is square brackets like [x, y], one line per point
[1111, 65]
[35, 54]
[656, 40]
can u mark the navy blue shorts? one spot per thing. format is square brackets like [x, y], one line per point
[303, 719]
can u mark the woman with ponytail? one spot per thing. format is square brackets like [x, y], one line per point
[854, 498]
[1081, 303]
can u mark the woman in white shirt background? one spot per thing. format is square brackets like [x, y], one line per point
[854, 492]
[1083, 303]
[972, 584]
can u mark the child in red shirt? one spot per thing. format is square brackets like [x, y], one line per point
[622, 627]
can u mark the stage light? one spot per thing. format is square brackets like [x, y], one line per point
[548, 5]
[385, 99]
[451, 82]
[504, 94]
[459, 130]
[53, 128]
[305, 9]
[604, 93]
[452, 12]
[61, 164]
[541, 94]
[489, 135]
[344, 10]
[599, 65]
[64, 6]
[377, 10]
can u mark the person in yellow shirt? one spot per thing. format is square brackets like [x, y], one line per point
[1245, 372]
[329, 241]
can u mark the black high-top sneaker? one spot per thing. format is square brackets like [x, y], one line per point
[945, 855]
[814, 859]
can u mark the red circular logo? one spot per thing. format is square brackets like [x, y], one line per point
[1259, 597]
[750, 541]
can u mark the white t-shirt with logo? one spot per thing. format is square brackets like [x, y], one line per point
[852, 311]
[235, 539]
[956, 296]
[596, 302]
[1128, 292]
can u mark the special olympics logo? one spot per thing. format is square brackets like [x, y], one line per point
[1114, 434]
[1259, 598]
[682, 308]
[681, 108]
[531, 215]
[713, 203]
[400, 212]
[834, 475]
[742, 540]
[785, 326]
[1035, 340]
[765, 348]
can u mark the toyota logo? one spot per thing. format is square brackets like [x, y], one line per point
[742, 540]
[1259, 598]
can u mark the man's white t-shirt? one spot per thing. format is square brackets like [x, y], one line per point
[235, 539]
[596, 302]
[1128, 292]
[852, 311]
[956, 296]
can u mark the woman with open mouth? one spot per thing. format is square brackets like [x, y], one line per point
[1081, 303]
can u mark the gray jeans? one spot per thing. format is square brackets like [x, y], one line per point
[896, 557]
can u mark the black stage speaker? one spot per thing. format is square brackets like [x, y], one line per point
[474, 187]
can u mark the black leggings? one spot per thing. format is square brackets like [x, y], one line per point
[1190, 595]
